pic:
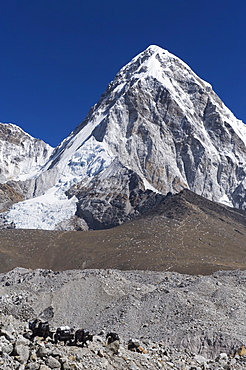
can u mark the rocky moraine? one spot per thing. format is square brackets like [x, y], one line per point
[175, 321]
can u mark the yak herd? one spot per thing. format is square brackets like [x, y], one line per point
[65, 334]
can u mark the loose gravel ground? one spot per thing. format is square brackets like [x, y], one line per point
[176, 318]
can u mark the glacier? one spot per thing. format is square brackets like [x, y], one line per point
[43, 212]
[48, 210]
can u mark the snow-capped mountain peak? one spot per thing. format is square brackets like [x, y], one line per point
[160, 127]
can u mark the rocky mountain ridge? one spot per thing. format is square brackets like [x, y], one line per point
[21, 155]
[157, 121]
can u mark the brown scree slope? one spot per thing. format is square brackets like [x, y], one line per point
[185, 233]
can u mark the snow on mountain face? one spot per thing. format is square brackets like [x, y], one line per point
[53, 207]
[175, 131]
[160, 121]
[21, 156]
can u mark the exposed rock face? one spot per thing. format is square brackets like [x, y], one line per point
[159, 121]
[169, 126]
[9, 194]
[21, 155]
[113, 197]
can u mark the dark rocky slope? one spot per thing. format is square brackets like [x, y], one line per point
[185, 233]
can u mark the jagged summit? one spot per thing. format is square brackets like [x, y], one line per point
[157, 122]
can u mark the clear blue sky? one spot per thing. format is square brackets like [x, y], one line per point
[57, 56]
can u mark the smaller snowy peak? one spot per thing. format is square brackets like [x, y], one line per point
[12, 129]
[21, 155]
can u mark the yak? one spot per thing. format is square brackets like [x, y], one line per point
[82, 336]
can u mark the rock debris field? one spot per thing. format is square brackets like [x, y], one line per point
[175, 321]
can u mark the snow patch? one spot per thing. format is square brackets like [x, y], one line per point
[225, 200]
[148, 186]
